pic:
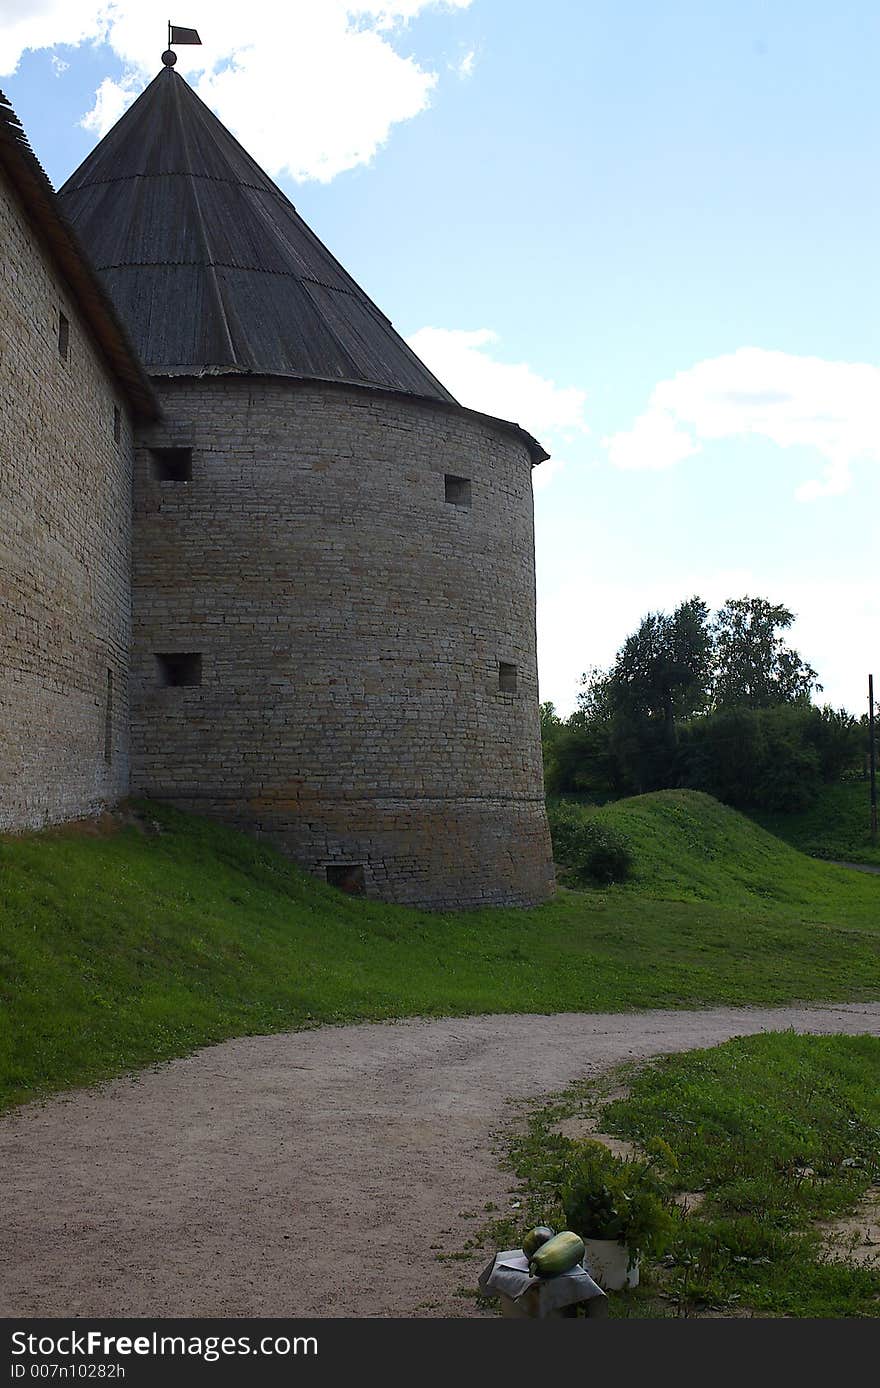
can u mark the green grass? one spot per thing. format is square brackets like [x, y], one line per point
[691, 847]
[777, 1131]
[121, 949]
[837, 826]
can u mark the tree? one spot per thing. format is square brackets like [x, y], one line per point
[662, 670]
[660, 677]
[680, 706]
[755, 758]
[839, 740]
[552, 727]
[753, 667]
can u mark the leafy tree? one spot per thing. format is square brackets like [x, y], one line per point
[662, 670]
[579, 757]
[753, 667]
[552, 728]
[755, 758]
[660, 677]
[790, 772]
[722, 705]
[723, 755]
[839, 740]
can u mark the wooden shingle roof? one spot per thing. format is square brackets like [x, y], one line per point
[210, 265]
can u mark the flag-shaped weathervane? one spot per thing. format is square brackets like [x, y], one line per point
[178, 35]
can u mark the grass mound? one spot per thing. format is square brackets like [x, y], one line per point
[690, 847]
[837, 826]
[169, 932]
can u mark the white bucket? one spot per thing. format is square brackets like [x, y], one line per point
[608, 1263]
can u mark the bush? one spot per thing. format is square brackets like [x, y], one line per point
[839, 741]
[594, 851]
[790, 777]
[768, 758]
[629, 1201]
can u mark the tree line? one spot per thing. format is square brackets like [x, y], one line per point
[719, 703]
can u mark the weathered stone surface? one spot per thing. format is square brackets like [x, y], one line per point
[65, 485]
[365, 688]
[351, 624]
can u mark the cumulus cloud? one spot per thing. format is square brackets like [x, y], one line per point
[111, 100]
[464, 362]
[830, 406]
[310, 89]
[655, 441]
[35, 24]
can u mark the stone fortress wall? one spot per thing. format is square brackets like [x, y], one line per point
[318, 622]
[334, 634]
[65, 547]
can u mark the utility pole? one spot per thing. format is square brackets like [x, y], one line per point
[872, 758]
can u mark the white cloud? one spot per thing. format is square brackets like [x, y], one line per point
[830, 406]
[655, 441]
[310, 89]
[463, 362]
[59, 66]
[34, 24]
[111, 100]
[465, 68]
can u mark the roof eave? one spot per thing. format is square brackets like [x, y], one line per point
[33, 187]
[536, 451]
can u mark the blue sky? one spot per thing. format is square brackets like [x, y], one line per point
[646, 231]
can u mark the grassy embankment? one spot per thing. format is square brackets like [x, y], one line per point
[124, 948]
[776, 1133]
[837, 826]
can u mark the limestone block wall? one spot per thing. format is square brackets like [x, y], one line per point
[65, 527]
[325, 591]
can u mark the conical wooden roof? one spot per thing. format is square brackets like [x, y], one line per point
[210, 266]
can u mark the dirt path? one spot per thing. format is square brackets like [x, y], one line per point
[303, 1174]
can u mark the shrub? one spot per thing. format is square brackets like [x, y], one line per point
[839, 741]
[595, 852]
[791, 777]
[629, 1201]
[763, 758]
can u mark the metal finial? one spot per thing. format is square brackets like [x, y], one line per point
[177, 34]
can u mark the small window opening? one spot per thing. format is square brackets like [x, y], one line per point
[347, 877]
[458, 490]
[506, 678]
[171, 464]
[117, 423]
[63, 337]
[179, 668]
[108, 720]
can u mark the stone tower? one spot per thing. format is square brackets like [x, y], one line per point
[333, 561]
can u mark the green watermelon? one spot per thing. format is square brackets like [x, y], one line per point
[559, 1254]
[535, 1238]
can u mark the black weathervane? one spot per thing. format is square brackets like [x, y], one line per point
[177, 35]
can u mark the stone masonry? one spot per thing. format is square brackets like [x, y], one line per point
[334, 633]
[65, 554]
[277, 575]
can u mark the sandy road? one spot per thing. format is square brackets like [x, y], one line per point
[306, 1173]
